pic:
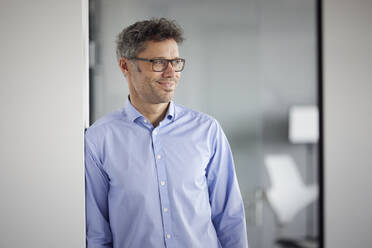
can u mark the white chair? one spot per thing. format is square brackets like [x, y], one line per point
[288, 194]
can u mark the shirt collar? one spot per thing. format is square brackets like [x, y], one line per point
[132, 113]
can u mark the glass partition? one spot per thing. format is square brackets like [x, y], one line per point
[252, 65]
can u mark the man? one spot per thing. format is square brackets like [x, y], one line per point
[159, 174]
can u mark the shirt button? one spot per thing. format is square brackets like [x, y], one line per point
[145, 121]
[165, 210]
[155, 132]
[168, 236]
[162, 183]
[159, 157]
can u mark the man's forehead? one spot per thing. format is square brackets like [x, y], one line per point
[168, 46]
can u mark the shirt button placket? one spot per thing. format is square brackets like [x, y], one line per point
[164, 200]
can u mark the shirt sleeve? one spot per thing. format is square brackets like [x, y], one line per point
[98, 233]
[224, 195]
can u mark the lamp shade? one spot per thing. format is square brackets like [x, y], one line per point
[304, 124]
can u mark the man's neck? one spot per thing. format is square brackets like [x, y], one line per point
[152, 112]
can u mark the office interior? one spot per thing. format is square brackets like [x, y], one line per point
[254, 65]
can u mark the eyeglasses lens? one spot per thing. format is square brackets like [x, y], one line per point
[162, 64]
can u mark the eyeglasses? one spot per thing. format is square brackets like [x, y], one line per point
[160, 65]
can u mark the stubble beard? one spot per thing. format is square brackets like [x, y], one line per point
[161, 95]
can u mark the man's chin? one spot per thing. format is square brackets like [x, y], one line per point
[167, 97]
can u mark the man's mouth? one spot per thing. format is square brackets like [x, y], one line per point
[166, 83]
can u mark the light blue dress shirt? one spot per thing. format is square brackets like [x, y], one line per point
[171, 186]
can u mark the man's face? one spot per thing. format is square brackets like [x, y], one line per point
[146, 85]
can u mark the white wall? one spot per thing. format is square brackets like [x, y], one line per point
[348, 123]
[42, 78]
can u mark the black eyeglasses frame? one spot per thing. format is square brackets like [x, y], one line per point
[169, 61]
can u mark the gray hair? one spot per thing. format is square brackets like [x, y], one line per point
[131, 40]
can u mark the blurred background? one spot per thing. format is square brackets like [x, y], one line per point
[251, 65]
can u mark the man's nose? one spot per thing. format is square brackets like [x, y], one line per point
[169, 71]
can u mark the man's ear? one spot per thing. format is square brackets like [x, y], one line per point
[123, 64]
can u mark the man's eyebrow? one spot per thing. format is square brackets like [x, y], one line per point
[165, 58]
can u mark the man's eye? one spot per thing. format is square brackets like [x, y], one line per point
[159, 62]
